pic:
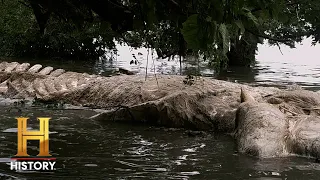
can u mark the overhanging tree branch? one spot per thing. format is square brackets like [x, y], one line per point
[288, 4]
[268, 37]
[25, 4]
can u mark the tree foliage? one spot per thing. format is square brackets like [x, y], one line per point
[222, 31]
[21, 36]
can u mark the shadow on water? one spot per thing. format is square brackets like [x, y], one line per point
[239, 74]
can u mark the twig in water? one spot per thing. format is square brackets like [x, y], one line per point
[279, 48]
[154, 70]
[198, 73]
[147, 64]
[180, 65]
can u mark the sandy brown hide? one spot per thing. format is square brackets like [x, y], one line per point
[280, 127]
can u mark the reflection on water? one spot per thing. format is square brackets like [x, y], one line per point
[300, 65]
[295, 66]
[106, 150]
[136, 60]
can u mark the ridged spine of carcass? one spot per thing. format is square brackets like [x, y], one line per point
[24, 81]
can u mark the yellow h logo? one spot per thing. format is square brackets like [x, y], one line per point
[42, 135]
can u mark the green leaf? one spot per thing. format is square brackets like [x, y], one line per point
[209, 19]
[250, 16]
[240, 26]
[225, 37]
[190, 32]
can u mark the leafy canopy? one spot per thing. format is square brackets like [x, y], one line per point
[219, 30]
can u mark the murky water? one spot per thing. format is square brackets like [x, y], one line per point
[107, 150]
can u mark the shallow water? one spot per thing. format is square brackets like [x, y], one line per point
[105, 150]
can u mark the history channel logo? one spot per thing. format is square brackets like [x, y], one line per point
[22, 161]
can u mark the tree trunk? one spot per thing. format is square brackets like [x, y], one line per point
[242, 52]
